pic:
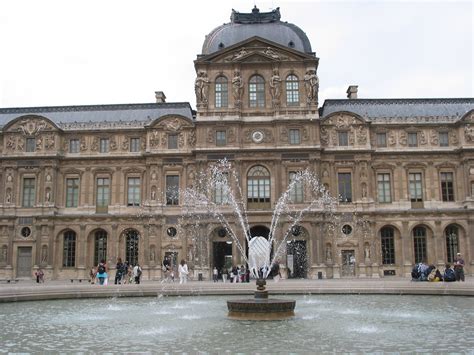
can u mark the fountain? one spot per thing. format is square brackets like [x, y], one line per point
[200, 202]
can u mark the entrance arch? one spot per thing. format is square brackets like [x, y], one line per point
[221, 249]
[296, 253]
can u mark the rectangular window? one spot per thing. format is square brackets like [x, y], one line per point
[134, 145]
[383, 185]
[413, 139]
[388, 246]
[472, 188]
[172, 141]
[416, 187]
[443, 139]
[221, 139]
[295, 136]
[30, 144]
[104, 145]
[447, 187]
[345, 187]
[172, 190]
[343, 139]
[296, 193]
[29, 192]
[221, 93]
[381, 140]
[220, 193]
[72, 192]
[133, 191]
[74, 146]
[103, 193]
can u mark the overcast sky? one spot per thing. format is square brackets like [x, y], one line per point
[103, 52]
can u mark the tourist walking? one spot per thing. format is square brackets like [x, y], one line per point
[224, 274]
[102, 272]
[126, 273]
[39, 276]
[183, 271]
[137, 273]
[119, 271]
[459, 267]
[215, 274]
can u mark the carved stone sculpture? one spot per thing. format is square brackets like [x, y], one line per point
[201, 88]
[237, 88]
[275, 88]
[469, 133]
[311, 82]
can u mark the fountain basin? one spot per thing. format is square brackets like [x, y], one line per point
[261, 308]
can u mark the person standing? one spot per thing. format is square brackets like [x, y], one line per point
[39, 276]
[224, 274]
[459, 267]
[215, 274]
[102, 272]
[137, 273]
[118, 271]
[183, 271]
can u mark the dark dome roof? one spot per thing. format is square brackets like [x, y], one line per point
[266, 25]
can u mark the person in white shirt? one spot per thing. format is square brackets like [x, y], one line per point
[137, 273]
[183, 272]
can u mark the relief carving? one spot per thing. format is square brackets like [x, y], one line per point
[275, 88]
[237, 55]
[324, 136]
[305, 135]
[181, 140]
[434, 137]
[83, 144]
[154, 139]
[20, 144]
[271, 53]
[361, 135]
[392, 140]
[350, 135]
[11, 144]
[469, 133]
[284, 134]
[113, 143]
[39, 143]
[31, 126]
[50, 142]
[453, 136]
[164, 140]
[237, 88]
[403, 138]
[231, 135]
[201, 88]
[192, 138]
[125, 144]
[95, 144]
[311, 83]
[173, 125]
[423, 138]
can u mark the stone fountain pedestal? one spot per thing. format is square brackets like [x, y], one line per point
[261, 307]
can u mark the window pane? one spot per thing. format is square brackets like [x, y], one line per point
[413, 139]
[257, 91]
[134, 144]
[415, 187]
[104, 145]
[30, 144]
[388, 245]
[69, 249]
[419, 238]
[345, 187]
[221, 92]
[381, 139]
[74, 146]
[447, 186]
[443, 139]
[72, 192]
[452, 242]
[172, 141]
[343, 139]
[28, 192]
[103, 187]
[292, 90]
[384, 188]
[296, 193]
[172, 190]
[295, 136]
[134, 191]
[100, 250]
[221, 138]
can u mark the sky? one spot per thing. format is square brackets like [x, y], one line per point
[58, 52]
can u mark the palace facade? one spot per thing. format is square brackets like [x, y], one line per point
[85, 183]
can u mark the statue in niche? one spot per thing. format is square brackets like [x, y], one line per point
[328, 253]
[275, 87]
[152, 253]
[153, 193]
[364, 190]
[48, 195]
[44, 254]
[8, 197]
[237, 88]
[4, 254]
[201, 87]
[367, 252]
[312, 86]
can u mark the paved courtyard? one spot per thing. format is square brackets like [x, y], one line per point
[29, 290]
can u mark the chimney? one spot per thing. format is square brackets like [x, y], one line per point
[352, 92]
[160, 97]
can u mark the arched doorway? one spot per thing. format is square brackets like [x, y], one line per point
[296, 254]
[131, 246]
[221, 250]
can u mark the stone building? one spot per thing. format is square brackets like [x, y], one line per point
[85, 183]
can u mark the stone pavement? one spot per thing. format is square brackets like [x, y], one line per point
[29, 290]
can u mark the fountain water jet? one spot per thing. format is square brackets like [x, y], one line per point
[218, 195]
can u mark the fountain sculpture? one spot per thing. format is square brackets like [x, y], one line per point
[222, 180]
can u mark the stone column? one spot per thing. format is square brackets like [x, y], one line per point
[38, 236]
[470, 245]
[438, 247]
[406, 250]
[82, 247]
[113, 251]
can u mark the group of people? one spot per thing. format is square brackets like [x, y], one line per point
[183, 271]
[124, 273]
[424, 272]
[241, 273]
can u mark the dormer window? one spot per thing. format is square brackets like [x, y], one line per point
[104, 145]
[381, 140]
[413, 139]
[443, 139]
[343, 139]
[172, 141]
[30, 144]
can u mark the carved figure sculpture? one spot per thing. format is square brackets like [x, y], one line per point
[4, 254]
[237, 88]
[275, 87]
[367, 251]
[201, 88]
[44, 254]
[271, 53]
[469, 133]
[312, 86]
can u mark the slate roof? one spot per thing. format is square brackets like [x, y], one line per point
[393, 108]
[274, 30]
[68, 116]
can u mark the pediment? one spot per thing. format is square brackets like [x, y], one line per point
[348, 244]
[31, 125]
[343, 120]
[172, 123]
[255, 49]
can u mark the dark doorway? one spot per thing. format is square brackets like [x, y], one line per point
[296, 259]
[24, 262]
[222, 255]
[348, 263]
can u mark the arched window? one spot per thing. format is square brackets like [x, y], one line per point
[100, 246]
[69, 249]
[258, 187]
[256, 91]
[452, 242]
[292, 90]
[131, 247]
[221, 92]
[419, 239]
[388, 245]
